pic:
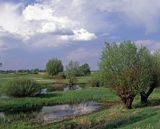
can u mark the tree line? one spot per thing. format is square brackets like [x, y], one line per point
[55, 67]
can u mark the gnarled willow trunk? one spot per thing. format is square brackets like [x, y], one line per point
[128, 103]
[144, 96]
[127, 100]
[144, 99]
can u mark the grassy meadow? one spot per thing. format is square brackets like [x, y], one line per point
[112, 116]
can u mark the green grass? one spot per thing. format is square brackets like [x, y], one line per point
[108, 118]
[40, 78]
[97, 94]
[115, 117]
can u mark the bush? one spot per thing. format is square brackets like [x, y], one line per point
[22, 88]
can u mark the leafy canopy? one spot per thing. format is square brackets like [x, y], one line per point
[126, 68]
[54, 66]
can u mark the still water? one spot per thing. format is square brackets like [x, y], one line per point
[61, 112]
[55, 113]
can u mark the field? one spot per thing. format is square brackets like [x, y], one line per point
[113, 115]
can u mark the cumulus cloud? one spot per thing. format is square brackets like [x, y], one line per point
[79, 35]
[75, 20]
[38, 19]
[10, 20]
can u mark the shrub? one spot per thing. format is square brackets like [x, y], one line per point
[22, 87]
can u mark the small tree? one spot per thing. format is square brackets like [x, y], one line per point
[156, 78]
[126, 69]
[84, 69]
[54, 66]
[72, 68]
[71, 72]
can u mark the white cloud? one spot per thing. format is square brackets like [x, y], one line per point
[79, 35]
[47, 19]
[37, 12]
[40, 19]
[10, 20]
[75, 20]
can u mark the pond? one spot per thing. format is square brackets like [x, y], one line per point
[2, 96]
[67, 88]
[60, 112]
[3, 118]
[48, 114]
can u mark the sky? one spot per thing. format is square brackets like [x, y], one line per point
[34, 31]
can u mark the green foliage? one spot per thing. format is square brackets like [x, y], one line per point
[54, 66]
[61, 75]
[22, 88]
[126, 69]
[155, 57]
[156, 66]
[72, 69]
[94, 80]
[84, 70]
[71, 72]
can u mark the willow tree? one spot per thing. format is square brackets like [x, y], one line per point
[126, 69]
[156, 78]
[72, 72]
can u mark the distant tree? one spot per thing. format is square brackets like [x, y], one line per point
[126, 69]
[54, 66]
[35, 71]
[156, 78]
[72, 71]
[84, 69]
[72, 68]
